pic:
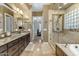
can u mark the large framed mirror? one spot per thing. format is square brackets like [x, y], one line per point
[8, 22]
[1, 23]
[18, 22]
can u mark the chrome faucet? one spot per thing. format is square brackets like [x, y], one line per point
[66, 44]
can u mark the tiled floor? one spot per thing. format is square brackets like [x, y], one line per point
[38, 48]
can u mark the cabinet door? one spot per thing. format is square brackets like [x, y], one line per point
[21, 44]
[12, 43]
[4, 53]
[13, 50]
[21, 50]
[3, 50]
[16, 54]
[27, 39]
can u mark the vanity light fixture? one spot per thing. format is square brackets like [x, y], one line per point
[21, 11]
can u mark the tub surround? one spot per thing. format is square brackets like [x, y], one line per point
[15, 44]
[63, 50]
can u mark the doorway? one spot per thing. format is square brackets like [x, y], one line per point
[37, 28]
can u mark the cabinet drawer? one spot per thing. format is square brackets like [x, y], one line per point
[16, 54]
[21, 50]
[21, 45]
[13, 49]
[26, 44]
[3, 48]
[12, 43]
[21, 41]
[3, 53]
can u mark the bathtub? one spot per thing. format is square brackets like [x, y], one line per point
[74, 48]
[69, 49]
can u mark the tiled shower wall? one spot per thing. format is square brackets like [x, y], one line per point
[65, 36]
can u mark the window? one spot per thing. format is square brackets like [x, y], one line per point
[71, 19]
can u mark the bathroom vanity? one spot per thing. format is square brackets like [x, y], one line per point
[14, 45]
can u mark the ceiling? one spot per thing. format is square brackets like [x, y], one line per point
[60, 6]
[38, 6]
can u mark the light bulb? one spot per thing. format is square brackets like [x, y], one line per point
[17, 9]
[21, 11]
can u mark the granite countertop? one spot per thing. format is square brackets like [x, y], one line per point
[11, 38]
[66, 50]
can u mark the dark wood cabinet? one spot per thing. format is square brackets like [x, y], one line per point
[12, 43]
[13, 50]
[15, 47]
[3, 50]
[22, 44]
[27, 40]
